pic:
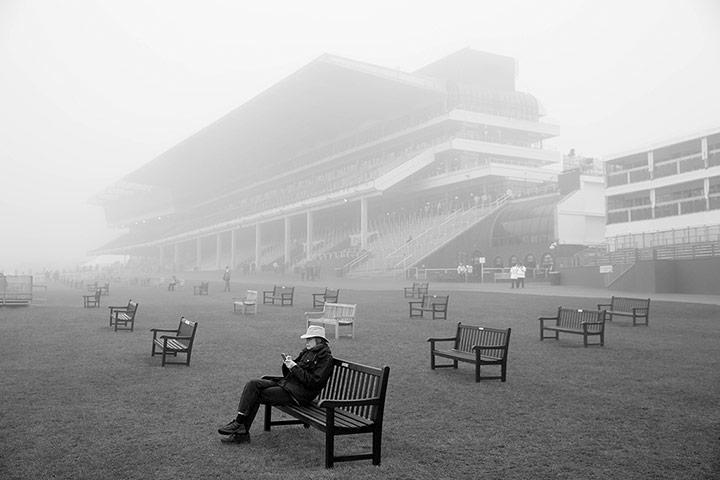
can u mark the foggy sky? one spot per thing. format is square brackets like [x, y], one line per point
[90, 89]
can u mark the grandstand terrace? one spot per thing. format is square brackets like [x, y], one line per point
[343, 162]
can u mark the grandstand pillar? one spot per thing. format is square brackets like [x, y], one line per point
[287, 241]
[198, 253]
[257, 247]
[704, 150]
[363, 223]
[308, 239]
[706, 188]
[651, 164]
[233, 240]
[218, 250]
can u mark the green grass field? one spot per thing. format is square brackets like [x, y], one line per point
[81, 401]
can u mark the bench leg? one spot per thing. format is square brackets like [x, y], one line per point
[268, 418]
[477, 372]
[330, 439]
[377, 443]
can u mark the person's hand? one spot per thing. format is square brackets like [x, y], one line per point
[289, 363]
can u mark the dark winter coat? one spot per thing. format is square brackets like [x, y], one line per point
[310, 375]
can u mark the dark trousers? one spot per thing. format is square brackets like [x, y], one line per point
[521, 282]
[257, 392]
[227, 285]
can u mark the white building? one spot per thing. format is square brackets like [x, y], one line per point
[664, 194]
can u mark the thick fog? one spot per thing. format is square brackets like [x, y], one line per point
[90, 90]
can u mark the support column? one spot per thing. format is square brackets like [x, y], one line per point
[363, 224]
[218, 250]
[257, 247]
[233, 240]
[704, 150]
[651, 164]
[309, 236]
[198, 253]
[652, 203]
[287, 242]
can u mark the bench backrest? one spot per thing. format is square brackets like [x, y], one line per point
[626, 304]
[574, 318]
[250, 296]
[338, 310]
[331, 295]
[468, 336]
[132, 308]
[429, 300]
[279, 290]
[421, 288]
[353, 381]
[187, 329]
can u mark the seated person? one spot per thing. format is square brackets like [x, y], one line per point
[173, 284]
[303, 379]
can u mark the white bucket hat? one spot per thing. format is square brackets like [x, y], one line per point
[315, 331]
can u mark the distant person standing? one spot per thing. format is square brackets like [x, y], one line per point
[520, 275]
[514, 275]
[226, 277]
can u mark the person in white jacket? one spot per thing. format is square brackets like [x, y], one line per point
[520, 282]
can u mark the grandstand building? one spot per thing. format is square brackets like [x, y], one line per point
[663, 214]
[363, 169]
[664, 194]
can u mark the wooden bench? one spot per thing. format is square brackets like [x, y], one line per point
[284, 295]
[91, 287]
[588, 323]
[201, 289]
[436, 304]
[352, 402]
[476, 345]
[248, 301]
[334, 314]
[124, 316]
[181, 341]
[637, 308]
[330, 295]
[92, 299]
[105, 289]
[418, 289]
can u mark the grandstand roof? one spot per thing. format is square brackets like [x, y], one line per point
[328, 99]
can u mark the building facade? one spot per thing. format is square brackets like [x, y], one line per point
[664, 194]
[340, 157]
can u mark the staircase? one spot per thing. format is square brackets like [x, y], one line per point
[393, 254]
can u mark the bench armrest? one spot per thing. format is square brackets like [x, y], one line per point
[313, 314]
[600, 305]
[435, 340]
[272, 377]
[416, 302]
[488, 347]
[175, 337]
[163, 329]
[330, 403]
